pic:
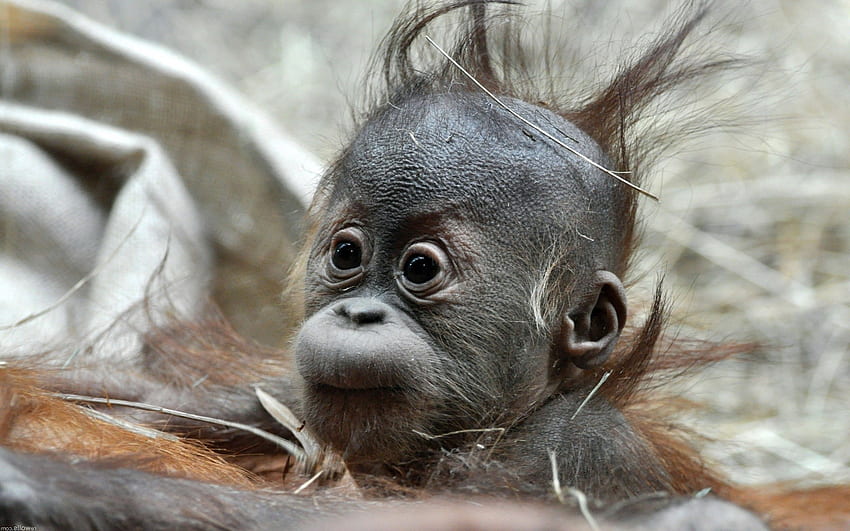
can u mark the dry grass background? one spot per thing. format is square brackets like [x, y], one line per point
[753, 230]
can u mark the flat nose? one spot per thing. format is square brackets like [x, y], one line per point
[362, 311]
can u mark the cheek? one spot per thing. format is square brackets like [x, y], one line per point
[491, 350]
[524, 378]
[497, 346]
[490, 322]
[316, 295]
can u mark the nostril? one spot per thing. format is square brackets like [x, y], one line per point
[361, 311]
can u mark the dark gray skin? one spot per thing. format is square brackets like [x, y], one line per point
[435, 230]
[447, 209]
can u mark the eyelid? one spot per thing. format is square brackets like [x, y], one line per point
[335, 277]
[445, 275]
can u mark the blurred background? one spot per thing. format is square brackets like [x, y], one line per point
[753, 227]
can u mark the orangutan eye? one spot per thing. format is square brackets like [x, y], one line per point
[346, 255]
[420, 268]
[424, 270]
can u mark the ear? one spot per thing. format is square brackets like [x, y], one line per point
[590, 331]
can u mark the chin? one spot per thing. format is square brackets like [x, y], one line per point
[365, 426]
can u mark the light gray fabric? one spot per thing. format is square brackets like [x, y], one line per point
[127, 174]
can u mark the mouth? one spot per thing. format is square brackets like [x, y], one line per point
[336, 357]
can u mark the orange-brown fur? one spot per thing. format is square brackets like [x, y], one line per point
[32, 420]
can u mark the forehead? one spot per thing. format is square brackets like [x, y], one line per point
[464, 153]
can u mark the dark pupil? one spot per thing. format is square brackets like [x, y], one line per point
[346, 255]
[419, 269]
